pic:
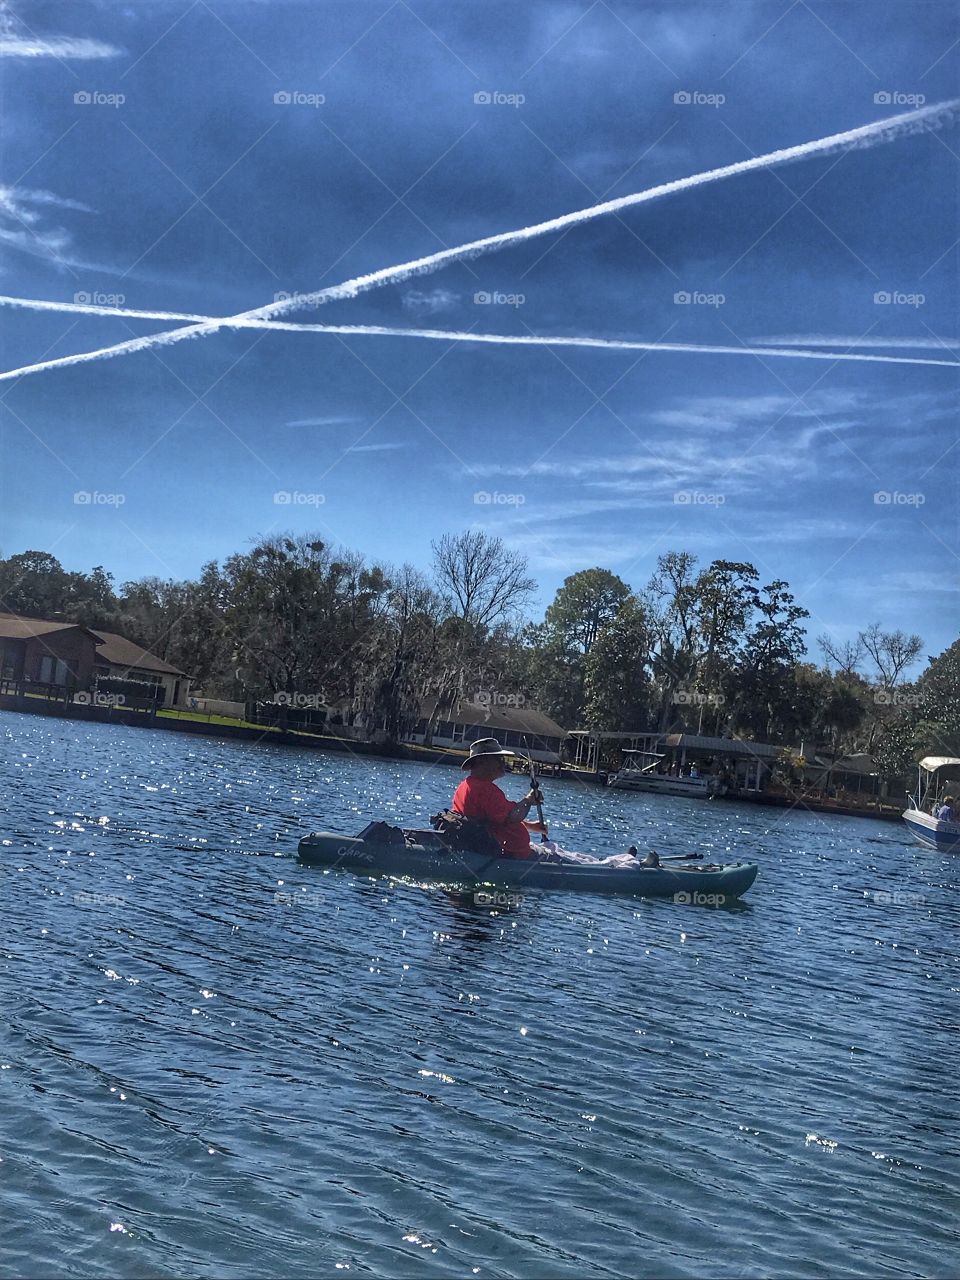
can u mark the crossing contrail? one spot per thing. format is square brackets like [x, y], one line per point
[761, 347]
[869, 135]
[933, 343]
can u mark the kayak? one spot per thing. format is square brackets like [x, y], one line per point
[423, 855]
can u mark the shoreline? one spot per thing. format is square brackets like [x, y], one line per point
[412, 752]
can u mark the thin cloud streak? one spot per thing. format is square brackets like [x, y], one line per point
[64, 47]
[820, 340]
[443, 335]
[874, 134]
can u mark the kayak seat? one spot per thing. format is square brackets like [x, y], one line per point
[465, 835]
[382, 833]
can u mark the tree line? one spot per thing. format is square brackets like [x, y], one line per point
[707, 649]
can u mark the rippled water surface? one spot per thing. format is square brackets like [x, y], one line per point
[218, 1063]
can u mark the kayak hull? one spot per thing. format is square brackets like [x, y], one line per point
[434, 861]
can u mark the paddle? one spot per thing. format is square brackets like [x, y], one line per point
[653, 858]
[533, 783]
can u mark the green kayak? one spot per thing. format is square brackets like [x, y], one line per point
[423, 855]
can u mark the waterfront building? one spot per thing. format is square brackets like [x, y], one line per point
[506, 717]
[46, 658]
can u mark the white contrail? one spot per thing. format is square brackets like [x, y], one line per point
[868, 135]
[499, 339]
[821, 340]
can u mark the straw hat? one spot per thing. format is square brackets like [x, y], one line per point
[484, 747]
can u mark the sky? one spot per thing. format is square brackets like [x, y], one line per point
[208, 156]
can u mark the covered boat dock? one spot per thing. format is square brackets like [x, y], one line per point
[747, 763]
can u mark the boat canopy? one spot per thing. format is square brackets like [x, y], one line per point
[741, 747]
[930, 764]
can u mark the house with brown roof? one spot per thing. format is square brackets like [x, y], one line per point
[43, 656]
[486, 714]
[120, 659]
[46, 653]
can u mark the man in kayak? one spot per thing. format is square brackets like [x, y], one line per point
[479, 797]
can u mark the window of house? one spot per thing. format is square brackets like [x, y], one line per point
[52, 670]
[7, 666]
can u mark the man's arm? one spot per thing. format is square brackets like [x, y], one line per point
[495, 807]
[521, 809]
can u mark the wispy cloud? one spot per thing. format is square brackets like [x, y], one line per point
[22, 225]
[716, 412]
[333, 420]
[379, 448]
[663, 462]
[14, 46]
[26, 196]
[17, 40]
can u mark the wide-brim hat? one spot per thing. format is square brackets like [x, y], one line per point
[484, 747]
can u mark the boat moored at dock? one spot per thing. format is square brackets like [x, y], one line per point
[645, 771]
[935, 774]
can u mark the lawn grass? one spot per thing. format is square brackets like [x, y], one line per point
[201, 717]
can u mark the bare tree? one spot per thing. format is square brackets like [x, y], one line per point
[484, 585]
[486, 582]
[846, 655]
[890, 651]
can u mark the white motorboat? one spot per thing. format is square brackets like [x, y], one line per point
[935, 776]
[635, 775]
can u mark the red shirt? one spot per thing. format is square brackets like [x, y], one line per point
[478, 798]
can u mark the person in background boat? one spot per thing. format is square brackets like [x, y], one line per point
[947, 812]
[479, 797]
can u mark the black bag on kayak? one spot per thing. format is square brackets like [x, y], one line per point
[465, 835]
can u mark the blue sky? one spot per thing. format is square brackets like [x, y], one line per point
[183, 184]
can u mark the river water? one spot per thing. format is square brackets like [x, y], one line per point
[217, 1063]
